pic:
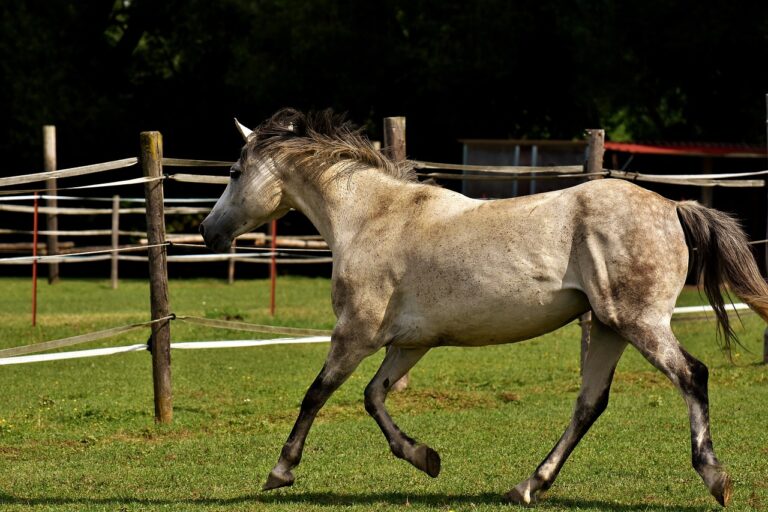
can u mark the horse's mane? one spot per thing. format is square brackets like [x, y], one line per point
[318, 140]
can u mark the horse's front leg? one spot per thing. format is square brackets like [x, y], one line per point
[396, 364]
[342, 360]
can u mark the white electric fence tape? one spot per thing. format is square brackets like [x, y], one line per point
[187, 345]
[705, 309]
[37, 358]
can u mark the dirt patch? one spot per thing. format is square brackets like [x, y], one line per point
[10, 452]
[150, 435]
[417, 400]
[643, 379]
[508, 396]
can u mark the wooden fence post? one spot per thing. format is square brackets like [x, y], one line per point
[394, 138]
[35, 225]
[231, 263]
[765, 247]
[115, 239]
[594, 163]
[394, 148]
[51, 219]
[151, 163]
[272, 266]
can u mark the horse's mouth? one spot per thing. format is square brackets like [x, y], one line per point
[215, 241]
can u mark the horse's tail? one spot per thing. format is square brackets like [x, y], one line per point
[720, 254]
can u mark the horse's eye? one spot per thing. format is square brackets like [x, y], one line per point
[235, 173]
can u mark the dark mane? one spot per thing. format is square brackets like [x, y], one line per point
[318, 140]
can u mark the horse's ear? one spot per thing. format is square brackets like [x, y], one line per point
[244, 130]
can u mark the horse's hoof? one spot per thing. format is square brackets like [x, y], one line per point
[718, 482]
[723, 489]
[427, 460]
[276, 480]
[520, 498]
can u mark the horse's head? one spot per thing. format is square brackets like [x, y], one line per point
[253, 197]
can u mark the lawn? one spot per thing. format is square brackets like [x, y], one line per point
[79, 434]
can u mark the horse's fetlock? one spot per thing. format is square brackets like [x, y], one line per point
[277, 479]
[291, 453]
[545, 484]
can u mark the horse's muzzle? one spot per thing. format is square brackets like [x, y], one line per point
[214, 241]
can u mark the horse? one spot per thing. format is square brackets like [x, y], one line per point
[418, 266]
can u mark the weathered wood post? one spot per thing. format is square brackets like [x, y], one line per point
[151, 158]
[765, 247]
[51, 219]
[231, 263]
[594, 163]
[35, 225]
[115, 239]
[394, 148]
[272, 266]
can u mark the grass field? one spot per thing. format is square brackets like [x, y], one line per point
[79, 434]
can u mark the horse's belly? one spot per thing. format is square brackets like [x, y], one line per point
[487, 322]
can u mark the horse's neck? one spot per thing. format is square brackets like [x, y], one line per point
[340, 205]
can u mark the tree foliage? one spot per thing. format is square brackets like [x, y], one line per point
[103, 70]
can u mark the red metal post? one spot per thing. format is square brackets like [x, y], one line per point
[34, 264]
[273, 268]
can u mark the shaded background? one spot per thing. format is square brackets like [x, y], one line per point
[104, 70]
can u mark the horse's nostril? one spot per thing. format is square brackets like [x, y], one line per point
[202, 229]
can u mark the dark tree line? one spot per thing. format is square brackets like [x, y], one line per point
[103, 70]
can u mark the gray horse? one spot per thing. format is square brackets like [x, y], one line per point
[417, 266]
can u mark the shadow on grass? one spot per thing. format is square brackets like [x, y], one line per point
[334, 499]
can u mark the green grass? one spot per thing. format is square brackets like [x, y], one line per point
[79, 434]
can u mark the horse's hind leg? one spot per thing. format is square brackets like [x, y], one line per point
[605, 349]
[396, 364]
[659, 345]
